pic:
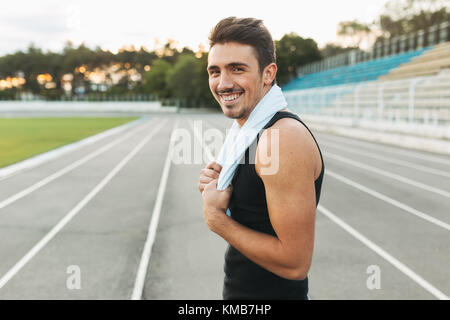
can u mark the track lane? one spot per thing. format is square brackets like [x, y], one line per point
[101, 236]
[187, 258]
[16, 183]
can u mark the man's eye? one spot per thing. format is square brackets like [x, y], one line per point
[238, 69]
[214, 72]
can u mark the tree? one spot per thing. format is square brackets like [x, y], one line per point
[293, 52]
[331, 50]
[156, 79]
[188, 81]
[352, 33]
[200, 82]
[143, 58]
[182, 79]
[405, 16]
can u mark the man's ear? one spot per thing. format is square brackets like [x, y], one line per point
[269, 74]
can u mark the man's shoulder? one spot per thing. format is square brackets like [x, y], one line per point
[289, 124]
[287, 131]
[286, 141]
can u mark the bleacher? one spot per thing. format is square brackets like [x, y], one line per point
[429, 63]
[411, 87]
[359, 72]
[391, 99]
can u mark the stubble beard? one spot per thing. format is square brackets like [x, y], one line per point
[244, 112]
[240, 115]
[229, 112]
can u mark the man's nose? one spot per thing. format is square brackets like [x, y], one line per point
[225, 82]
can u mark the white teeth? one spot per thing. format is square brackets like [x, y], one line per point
[231, 97]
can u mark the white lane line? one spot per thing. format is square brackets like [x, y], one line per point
[400, 266]
[151, 235]
[387, 199]
[30, 254]
[67, 169]
[385, 158]
[12, 170]
[388, 174]
[384, 148]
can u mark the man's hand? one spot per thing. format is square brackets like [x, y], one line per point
[215, 203]
[208, 174]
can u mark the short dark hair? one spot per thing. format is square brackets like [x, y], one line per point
[248, 31]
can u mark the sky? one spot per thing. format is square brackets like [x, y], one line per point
[112, 24]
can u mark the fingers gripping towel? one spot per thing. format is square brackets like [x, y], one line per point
[239, 138]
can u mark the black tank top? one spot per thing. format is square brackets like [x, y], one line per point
[245, 279]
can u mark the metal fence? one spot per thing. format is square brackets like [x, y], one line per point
[388, 46]
[420, 100]
[96, 97]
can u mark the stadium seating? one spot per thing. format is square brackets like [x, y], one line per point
[430, 63]
[363, 71]
[409, 87]
[431, 97]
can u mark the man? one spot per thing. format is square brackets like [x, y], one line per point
[271, 228]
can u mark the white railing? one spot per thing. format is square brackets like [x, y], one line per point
[413, 102]
[29, 107]
[388, 46]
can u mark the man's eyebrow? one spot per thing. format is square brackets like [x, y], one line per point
[212, 67]
[231, 64]
[237, 64]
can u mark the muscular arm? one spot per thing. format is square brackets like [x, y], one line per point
[290, 195]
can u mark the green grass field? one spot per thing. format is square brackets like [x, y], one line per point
[21, 138]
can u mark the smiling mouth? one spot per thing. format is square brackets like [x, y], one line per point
[229, 98]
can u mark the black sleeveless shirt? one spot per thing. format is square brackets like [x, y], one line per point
[245, 279]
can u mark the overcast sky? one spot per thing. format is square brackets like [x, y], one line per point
[112, 24]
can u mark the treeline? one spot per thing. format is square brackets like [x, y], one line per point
[168, 74]
[399, 17]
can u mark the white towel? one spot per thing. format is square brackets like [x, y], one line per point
[239, 139]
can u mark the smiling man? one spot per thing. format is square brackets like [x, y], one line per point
[271, 227]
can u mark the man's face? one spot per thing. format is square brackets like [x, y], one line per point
[234, 79]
